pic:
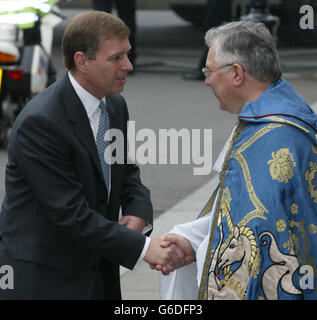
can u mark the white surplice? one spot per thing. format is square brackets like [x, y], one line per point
[183, 283]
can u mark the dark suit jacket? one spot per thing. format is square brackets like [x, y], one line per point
[57, 229]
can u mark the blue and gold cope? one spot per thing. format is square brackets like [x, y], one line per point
[265, 225]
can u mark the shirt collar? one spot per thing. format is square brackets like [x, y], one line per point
[89, 101]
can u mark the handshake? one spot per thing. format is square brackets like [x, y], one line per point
[168, 253]
[165, 253]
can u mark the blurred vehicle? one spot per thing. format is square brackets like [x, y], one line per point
[287, 10]
[194, 11]
[26, 38]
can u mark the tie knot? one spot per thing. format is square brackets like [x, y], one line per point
[103, 107]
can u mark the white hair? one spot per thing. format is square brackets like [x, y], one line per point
[249, 44]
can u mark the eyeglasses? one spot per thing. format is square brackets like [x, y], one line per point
[206, 71]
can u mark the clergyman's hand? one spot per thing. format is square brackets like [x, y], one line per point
[170, 256]
[183, 244]
[133, 222]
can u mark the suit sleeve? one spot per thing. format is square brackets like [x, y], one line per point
[135, 196]
[44, 156]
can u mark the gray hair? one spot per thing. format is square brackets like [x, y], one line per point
[249, 44]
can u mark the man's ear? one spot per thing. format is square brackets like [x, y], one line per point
[238, 74]
[80, 60]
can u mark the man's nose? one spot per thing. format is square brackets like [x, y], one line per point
[127, 64]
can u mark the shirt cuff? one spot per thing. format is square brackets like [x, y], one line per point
[146, 246]
[147, 228]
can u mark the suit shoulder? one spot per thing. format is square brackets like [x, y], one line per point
[47, 103]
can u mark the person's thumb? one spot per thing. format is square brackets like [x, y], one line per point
[167, 240]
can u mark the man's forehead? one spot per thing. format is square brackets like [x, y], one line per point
[113, 38]
[115, 44]
[210, 56]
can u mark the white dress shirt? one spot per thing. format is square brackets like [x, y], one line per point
[91, 104]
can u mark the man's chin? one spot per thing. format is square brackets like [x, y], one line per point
[222, 106]
[118, 89]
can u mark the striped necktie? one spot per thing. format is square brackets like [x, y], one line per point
[104, 125]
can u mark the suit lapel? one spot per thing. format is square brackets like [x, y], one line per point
[78, 118]
[112, 109]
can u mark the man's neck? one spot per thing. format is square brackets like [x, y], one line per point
[84, 84]
[250, 91]
[253, 89]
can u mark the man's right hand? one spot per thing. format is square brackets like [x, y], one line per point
[184, 249]
[170, 256]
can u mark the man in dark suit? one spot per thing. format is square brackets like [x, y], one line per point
[59, 226]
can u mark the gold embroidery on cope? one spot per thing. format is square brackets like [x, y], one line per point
[241, 239]
[241, 248]
[312, 229]
[203, 292]
[294, 208]
[282, 165]
[309, 177]
[287, 122]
